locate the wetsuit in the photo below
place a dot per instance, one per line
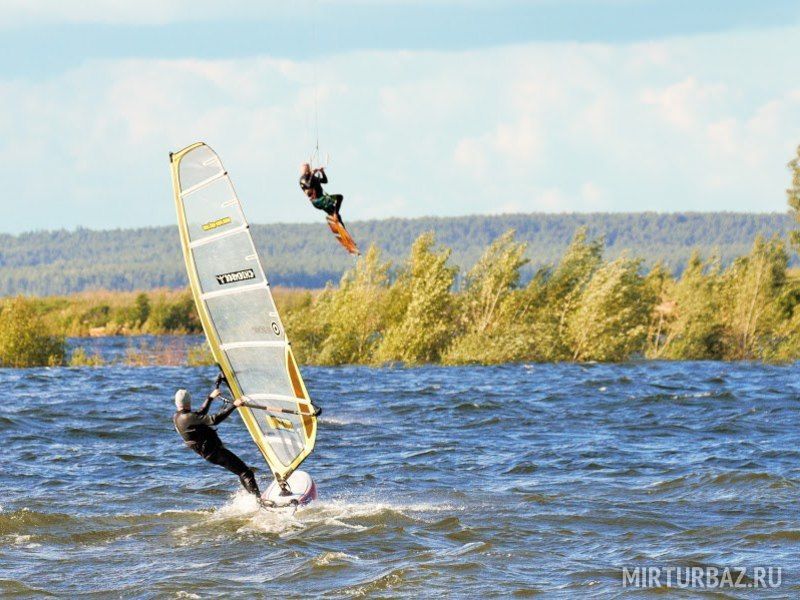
(197, 430)
(312, 186)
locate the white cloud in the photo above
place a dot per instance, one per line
(682, 104)
(556, 127)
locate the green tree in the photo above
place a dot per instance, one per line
(786, 337)
(693, 322)
(659, 282)
(174, 316)
(545, 307)
(484, 307)
(306, 326)
(131, 315)
(613, 312)
(96, 316)
(25, 340)
(752, 290)
(793, 195)
(353, 315)
(142, 308)
(422, 304)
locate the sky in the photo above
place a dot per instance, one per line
(435, 107)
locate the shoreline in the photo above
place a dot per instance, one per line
(190, 350)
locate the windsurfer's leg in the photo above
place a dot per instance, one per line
(228, 460)
(248, 481)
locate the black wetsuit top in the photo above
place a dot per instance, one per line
(312, 184)
(197, 428)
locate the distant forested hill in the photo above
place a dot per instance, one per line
(306, 255)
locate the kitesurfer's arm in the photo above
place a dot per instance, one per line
(320, 174)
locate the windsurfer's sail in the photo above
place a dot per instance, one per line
(238, 313)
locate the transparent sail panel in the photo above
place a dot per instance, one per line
(260, 375)
(198, 165)
(261, 370)
(246, 317)
(283, 434)
(213, 209)
(227, 263)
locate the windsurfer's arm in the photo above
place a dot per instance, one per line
(225, 412)
(207, 404)
(219, 417)
(323, 178)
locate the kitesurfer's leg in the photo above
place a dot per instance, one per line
(228, 460)
(337, 204)
(326, 204)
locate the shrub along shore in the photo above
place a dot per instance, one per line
(583, 308)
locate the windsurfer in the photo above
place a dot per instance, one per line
(197, 428)
(311, 181)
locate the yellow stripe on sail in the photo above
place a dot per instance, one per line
(278, 423)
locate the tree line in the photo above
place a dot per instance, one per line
(585, 307)
(305, 255)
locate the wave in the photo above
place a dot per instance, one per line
(427, 452)
(334, 559)
(23, 520)
(384, 581)
(11, 588)
(787, 535)
(725, 485)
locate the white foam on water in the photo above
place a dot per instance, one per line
(328, 557)
(366, 508)
(242, 510)
(243, 505)
(342, 422)
(240, 504)
(465, 549)
(173, 511)
(342, 511)
(22, 540)
(336, 512)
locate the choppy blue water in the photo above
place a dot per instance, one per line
(454, 482)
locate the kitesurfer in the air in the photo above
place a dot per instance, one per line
(311, 181)
(197, 428)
